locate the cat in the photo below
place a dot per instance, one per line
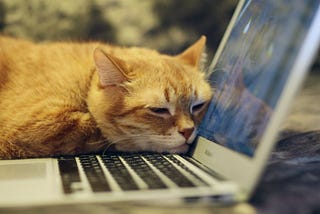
(66, 98)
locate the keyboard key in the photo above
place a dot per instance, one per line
(169, 170)
(119, 172)
(200, 181)
(94, 173)
(213, 174)
(144, 171)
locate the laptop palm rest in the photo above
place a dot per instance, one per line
(32, 178)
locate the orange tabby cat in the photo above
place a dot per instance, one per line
(71, 98)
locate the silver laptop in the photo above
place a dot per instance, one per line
(256, 71)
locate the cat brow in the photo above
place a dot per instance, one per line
(166, 94)
(196, 94)
(132, 110)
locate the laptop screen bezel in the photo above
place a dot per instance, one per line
(242, 169)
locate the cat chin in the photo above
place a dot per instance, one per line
(180, 149)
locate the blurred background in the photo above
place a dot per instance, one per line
(166, 25)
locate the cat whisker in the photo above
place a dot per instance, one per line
(109, 145)
(133, 139)
(106, 149)
(97, 142)
(156, 139)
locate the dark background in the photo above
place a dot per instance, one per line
(166, 25)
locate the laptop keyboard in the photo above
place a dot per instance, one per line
(125, 172)
(144, 171)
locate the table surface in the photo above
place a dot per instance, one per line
(290, 184)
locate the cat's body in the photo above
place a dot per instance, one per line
(69, 98)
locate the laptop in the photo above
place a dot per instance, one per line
(258, 67)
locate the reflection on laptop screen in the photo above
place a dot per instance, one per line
(253, 69)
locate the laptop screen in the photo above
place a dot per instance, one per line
(252, 70)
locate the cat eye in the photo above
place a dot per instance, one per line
(160, 111)
(197, 107)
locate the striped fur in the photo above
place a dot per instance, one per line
(71, 98)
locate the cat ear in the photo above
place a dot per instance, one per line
(195, 55)
(110, 69)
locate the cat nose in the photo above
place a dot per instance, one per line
(186, 133)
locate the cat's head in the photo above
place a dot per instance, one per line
(146, 101)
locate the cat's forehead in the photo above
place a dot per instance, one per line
(181, 91)
(167, 82)
(170, 91)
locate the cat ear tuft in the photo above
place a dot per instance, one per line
(195, 55)
(110, 69)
